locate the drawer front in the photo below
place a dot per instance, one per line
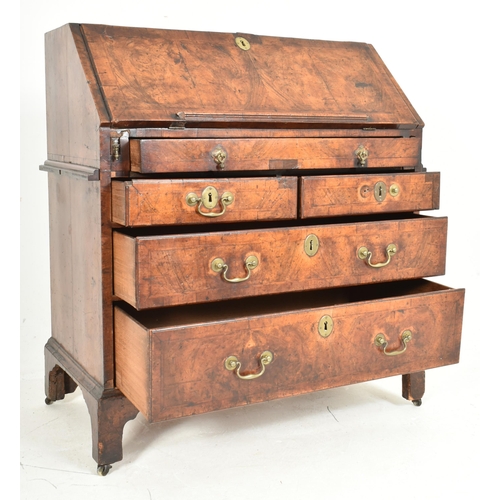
(334, 195)
(200, 201)
(157, 271)
(175, 371)
(195, 155)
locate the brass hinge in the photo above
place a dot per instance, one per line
(115, 146)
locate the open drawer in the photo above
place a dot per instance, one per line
(151, 202)
(182, 361)
(161, 270)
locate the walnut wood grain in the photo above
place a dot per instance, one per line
(154, 202)
(166, 76)
(334, 195)
(187, 155)
(156, 271)
(140, 318)
(186, 370)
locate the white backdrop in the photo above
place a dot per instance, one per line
(443, 55)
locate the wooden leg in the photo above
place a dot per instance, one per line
(109, 411)
(57, 382)
(414, 387)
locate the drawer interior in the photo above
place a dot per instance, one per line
(168, 317)
(153, 231)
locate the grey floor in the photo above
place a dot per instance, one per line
(362, 441)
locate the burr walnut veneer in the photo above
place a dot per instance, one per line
(234, 218)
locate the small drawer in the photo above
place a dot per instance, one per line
(194, 359)
(334, 195)
(163, 270)
(198, 155)
(171, 201)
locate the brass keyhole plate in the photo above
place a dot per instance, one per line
(380, 191)
(209, 197)
(242, 43)
(325, 326)
(311, 245)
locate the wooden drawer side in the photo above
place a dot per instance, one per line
(119, 202)
(124, 267)
(133, 361)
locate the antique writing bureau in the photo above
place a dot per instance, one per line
(234, 218)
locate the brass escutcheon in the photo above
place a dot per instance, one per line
(380, 191)
(311, 245)
(209, 199)
(242, 43)
(325, 326)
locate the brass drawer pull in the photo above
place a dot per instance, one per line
(219, 266)
(209, 199)
(362, 155)
(380, 341)
(232, 364)
(219, 156)
(366, 255)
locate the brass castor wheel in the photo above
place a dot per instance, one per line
(102, 470)
(417, 402)
(48, 401)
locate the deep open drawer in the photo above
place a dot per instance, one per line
(176, 362)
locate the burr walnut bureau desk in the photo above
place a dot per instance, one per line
(234, 218)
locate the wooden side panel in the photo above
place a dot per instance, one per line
(177, 269)
(192, 155)
(334, 195)
(74, 104)
(132, 361)
(154, 202)
(76, 270)
(303, 360)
